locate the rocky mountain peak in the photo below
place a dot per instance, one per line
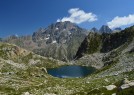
(62, 25)
(59, 39)
(57, 32)
(105, 29)
(94, 30)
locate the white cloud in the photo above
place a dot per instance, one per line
(78, 16)
(121, 21)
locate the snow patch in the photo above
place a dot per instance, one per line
(47, 38)
(54, 41)
(57, 28)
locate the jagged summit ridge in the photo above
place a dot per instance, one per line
(59, 32)
(105, 29)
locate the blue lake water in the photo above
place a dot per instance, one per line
(70, 71)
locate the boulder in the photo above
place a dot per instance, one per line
(110, 87)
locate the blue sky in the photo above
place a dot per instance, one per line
(23, 17)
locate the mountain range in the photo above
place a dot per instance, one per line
(60, 40)
(24, 61)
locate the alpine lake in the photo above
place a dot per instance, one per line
(72, 71)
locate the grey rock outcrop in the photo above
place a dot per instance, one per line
(105, 29)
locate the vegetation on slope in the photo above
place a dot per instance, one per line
(105, 42)
(23, 72)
